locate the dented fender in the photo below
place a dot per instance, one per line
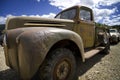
(34, 43)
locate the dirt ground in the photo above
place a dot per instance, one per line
(102, 67)
(99, 67)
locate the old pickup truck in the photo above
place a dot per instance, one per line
(50, 48)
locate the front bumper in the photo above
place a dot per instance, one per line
(113, 39)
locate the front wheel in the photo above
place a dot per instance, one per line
(59, 65)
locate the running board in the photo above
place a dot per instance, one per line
(93, 52)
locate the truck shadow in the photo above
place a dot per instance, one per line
(113, 44)
(89, 63)
(8, 74)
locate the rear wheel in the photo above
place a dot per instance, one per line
(107, 49)
(118, 39)
(106, 44)
(59, 65)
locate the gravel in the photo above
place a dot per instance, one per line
(102, 67)
(99, 67)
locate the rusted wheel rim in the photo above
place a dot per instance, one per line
(62, 70)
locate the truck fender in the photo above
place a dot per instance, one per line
(33, 46)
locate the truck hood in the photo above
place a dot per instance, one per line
(111, 34)
(17, 22)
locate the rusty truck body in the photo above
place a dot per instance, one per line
(49, 48)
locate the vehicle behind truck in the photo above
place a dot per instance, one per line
(114, 35)
(49, 49)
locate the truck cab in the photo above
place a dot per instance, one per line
(84, 25)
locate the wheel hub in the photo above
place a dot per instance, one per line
(62, 70)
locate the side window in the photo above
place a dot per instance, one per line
(85, 15)
(69, 14)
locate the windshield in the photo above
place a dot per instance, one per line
(112, 31)
(69, 14)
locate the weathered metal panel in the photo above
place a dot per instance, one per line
(87, 32)
(19, 22)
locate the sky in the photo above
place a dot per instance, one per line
(105, 11)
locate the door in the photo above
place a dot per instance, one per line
(86, 27)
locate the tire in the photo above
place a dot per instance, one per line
(107, 49)
(105, 40)
(118, 39)
(106, 44)
(59, 65)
